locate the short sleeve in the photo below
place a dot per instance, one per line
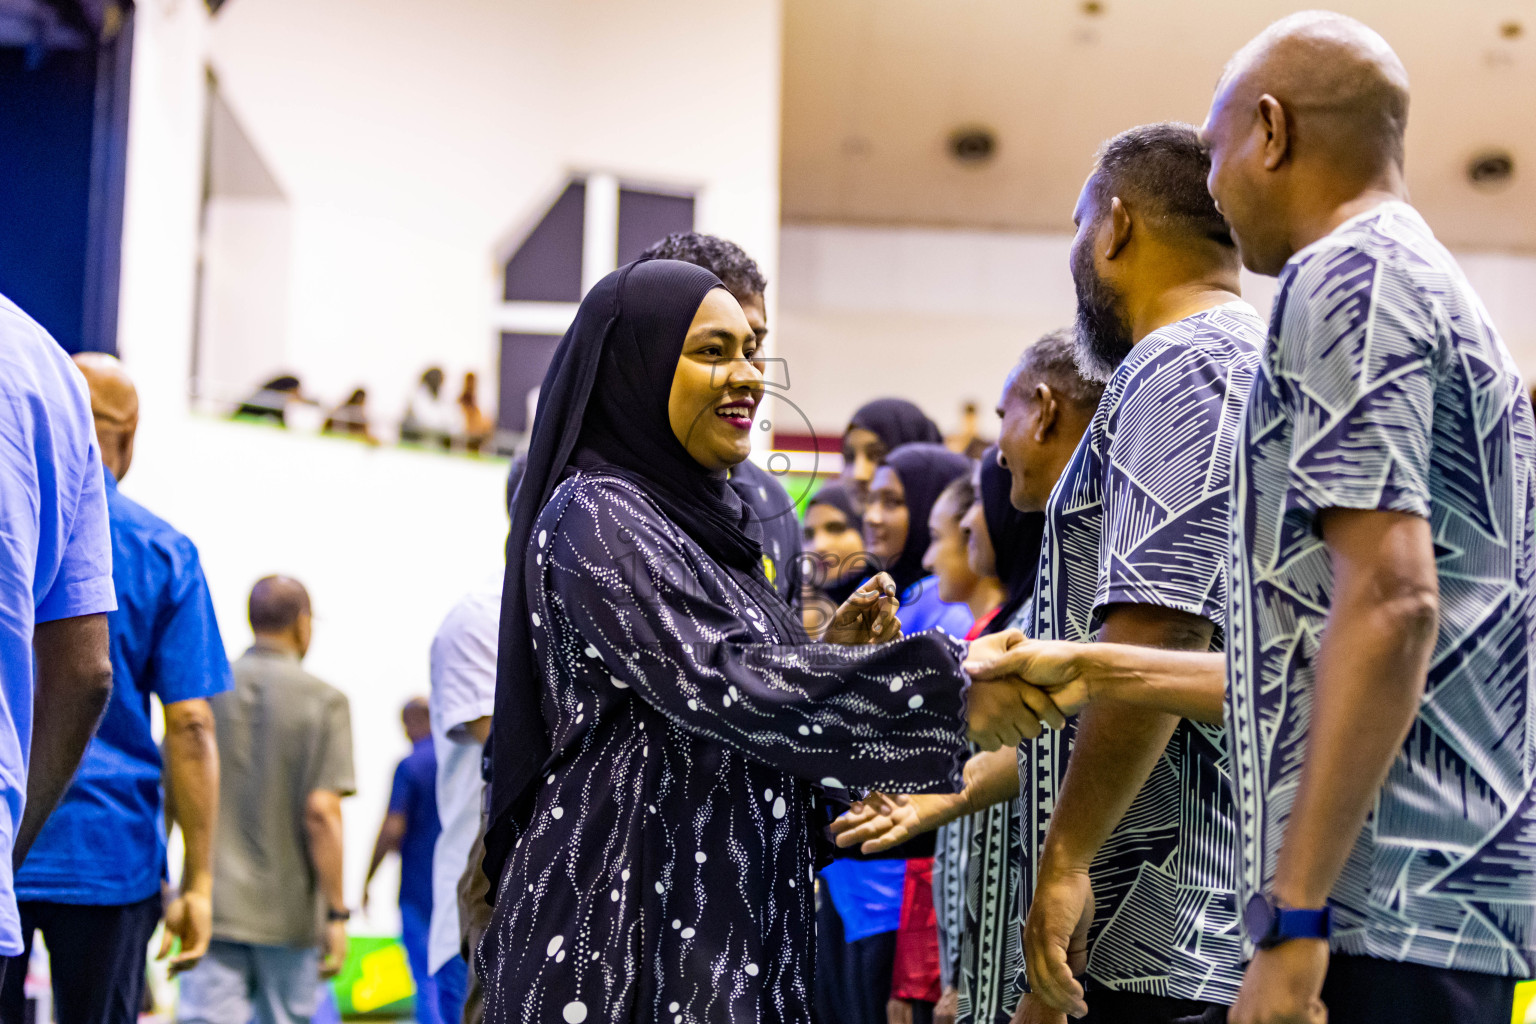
(1356, 377)
(1167, 485)
(333, 767)
(189, 659)
(400, 792)
(83, 583)
(463, 666)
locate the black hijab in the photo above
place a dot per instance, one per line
(603, 407)
(924, 471)
(1015, 537)
(896, 422)
(834, 495)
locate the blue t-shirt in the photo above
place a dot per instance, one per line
(921, 609)
(55, 552)
(105, 843)
(1140, 516)
(415, 796)
(1384, 386)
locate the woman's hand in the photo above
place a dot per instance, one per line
(868, 616)
(879, 822)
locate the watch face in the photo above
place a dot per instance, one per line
(1258, 918)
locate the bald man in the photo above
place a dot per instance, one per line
(92, 882)
(1380, 689)
(279, 913)
(411, 828)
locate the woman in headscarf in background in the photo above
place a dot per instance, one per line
(877, 429)
(858, 924)
(661, 721)
(978, 846)
(834, 538)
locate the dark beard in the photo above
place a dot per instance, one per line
(1101, 337)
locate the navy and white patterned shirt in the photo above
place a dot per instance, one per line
(1385, 386)
(1140, 516)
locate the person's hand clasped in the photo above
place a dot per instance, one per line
(1056, 939)
(1284, 985)
(869, 614)
(1054, 667)
(879, 822)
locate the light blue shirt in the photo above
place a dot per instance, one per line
(55, 548)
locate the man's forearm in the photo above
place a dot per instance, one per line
(192, 764)
(74, 682)
(1187, 684)
(323, 824)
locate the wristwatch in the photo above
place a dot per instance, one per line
(1269, 924)
(332, 914)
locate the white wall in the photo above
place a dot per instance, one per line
(385, 539)
(940, 316)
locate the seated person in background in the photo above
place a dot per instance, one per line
(834, 539)
(477, 427)
(351, 418)
(877, 429)
(428, 418)
(272, 399)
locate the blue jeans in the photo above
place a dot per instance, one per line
(415, 923)
(452, 981)
(238, 982)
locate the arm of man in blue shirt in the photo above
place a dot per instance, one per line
(192, 801)
(74, 681)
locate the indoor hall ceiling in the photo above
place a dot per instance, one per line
(873, 90)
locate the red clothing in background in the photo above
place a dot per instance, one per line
(916, 973)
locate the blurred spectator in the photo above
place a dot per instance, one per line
(477, 427)
(834, 539)
(351, 418)
(410, 828)
(285, 740)
(876, 429)
(967, 440)
(92, 880)
(428, 418)
(55, 588)
(272, 400)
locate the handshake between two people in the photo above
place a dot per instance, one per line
(1018, 688)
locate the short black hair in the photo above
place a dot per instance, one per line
(726, 260)
(1053, 360)
(1161, 168)
(276, 603)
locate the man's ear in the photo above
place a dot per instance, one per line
(1119, 228)
(1046, 412)
(1277, 131)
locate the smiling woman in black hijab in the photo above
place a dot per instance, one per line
(661, 720)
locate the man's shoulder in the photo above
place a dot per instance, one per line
(293, 677)
(148, 528)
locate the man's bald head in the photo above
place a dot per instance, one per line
(1312, 111)
(280, 612)
(115, 406)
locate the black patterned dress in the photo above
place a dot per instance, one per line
(666, 873)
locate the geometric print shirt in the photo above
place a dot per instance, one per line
(1383, 385)
(1140, 516)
